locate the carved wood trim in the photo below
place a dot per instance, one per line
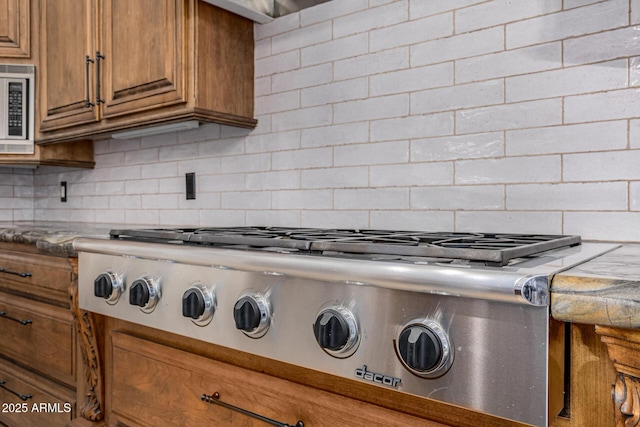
(91, 408)
(623, 346)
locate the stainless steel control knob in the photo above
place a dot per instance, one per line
(336, 331)
(109, 286)
(425, 349)
(198, 304)
(145, 293)
(252, 315)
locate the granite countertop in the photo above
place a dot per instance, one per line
(53, 238)
(604, 291)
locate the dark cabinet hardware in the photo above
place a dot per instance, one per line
(215, 399)
(4, 314)
(23, 397)
(99, 56)
(88, 61)
(17, 273)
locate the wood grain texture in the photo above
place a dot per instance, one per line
(15, 27)
(623, 346)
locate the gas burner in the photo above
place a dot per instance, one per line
(490, 248)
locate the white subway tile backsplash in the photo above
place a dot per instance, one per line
(412, 220)
(606, 166)
(330, 10)
(201, 166)
(222, 217)
(458, 47)
(635, 12)
(302, 118)
(335, 49)
(510, 63)
(456, 198)
(508, 170)
(371, 154)
(618, 104)
(159, 170)
(277, 63)
(273, 218)
(149, 155)
(302, 159)
(559, 197)
(203, 200)
(458, 147)
(302, 199)
(634, 196)
(262, 48)
(510, 116)
(300, 78)
(275, 141)
(178, 217)
(634, 134)
(371, 109)
(279, 180)
(302, 37)
(141, 186)
(277, 26)
(420, 8)
(600, 16)
(349, 133)
(568, 138)
(412, 32)
(135, 216)
(371, 198)
(510, 222)
(346, 90)
(412, 79)
(457, 97)
(568, 81)
(247, 163)
(408, 175)
(230, 146)
(372, 18)
(371, 64)
(278, 102)
(335, 177)
(606, 226)
(335, 219)
(128, 202)
(601, 46)
(160, 201)
(225, 182)
(412, 127)
(498, 12)
(246, 200)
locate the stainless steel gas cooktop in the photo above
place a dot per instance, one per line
(491, 248)
(461, 318)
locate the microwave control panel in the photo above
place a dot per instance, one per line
(16, 109)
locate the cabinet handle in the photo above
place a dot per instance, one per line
(3, 313)
(99, 56)
(87, 61)
(215, 399)
(23, 397)
(17, 273)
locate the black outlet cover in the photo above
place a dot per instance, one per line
(190, 179)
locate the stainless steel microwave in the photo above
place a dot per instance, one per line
(17, 89)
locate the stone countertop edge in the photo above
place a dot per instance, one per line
(51, 238)
(604, 291)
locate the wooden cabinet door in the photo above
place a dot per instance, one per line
(144, 45)
(14, 28)
(68, 36)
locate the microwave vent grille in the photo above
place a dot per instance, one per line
(16, 69)
(25, 147)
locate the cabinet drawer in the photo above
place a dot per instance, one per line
(42, 275)
(149, 384)
(55, 406)
(44, 341)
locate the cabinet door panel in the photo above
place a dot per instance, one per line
(68, 35)
(14, 28)
(143, 42)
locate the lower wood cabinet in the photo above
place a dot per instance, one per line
(150, 384)
(38, 363)
(40, 402)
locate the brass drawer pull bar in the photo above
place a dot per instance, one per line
(215, 399)
(23, 397)
(4, 270)
(3, 313)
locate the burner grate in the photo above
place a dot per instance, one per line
(491, 248)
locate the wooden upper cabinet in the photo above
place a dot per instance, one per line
(67, 37)
(150, 62)
(14, 29)
(145, 65)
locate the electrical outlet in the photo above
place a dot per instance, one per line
(63, 191)
(190, 179)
